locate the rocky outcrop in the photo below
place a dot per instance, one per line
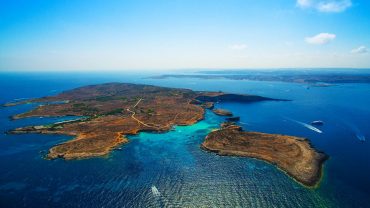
(222, 112)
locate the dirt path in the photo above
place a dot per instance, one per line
(133, 115)
(151, 126)
(137, 103)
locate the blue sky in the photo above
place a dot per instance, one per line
(182, 34)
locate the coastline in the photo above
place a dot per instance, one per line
(305, 166)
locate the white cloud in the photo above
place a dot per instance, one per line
(238, 47)
(325, 5)
(334, 6)
(304, 3)
(320, 39)
(359, 50)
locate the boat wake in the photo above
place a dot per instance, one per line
(160, 200)
(359, 135)
(155, 191)
(308, 126)
(20, 99)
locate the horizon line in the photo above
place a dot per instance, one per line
(135, 70)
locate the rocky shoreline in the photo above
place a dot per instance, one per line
(293, 155)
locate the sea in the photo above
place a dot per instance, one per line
(170, 169)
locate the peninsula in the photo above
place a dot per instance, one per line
(293, 155)
(112, 111)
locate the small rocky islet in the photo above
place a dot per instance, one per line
(114, 110)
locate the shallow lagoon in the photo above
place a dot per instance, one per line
(185, 175)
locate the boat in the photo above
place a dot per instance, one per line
(317, 123)
(155, 191)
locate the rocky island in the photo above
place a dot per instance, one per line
(293, 155)
(112, 111)
(222, 112)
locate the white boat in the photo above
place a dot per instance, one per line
(317, 123)
(155, 191)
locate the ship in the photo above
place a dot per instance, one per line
(317, 123)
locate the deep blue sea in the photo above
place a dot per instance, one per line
(170, 170)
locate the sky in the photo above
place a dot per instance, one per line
(183, 34)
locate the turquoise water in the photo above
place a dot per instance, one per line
(173, 163)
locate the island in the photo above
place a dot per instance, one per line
(293, 155)
(222, 112)
(310, 78)
(109, 112)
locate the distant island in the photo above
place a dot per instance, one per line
(315, 79)
(109, 112)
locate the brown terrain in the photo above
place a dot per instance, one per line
(293, 155)
(114, 110)
(222, 112)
